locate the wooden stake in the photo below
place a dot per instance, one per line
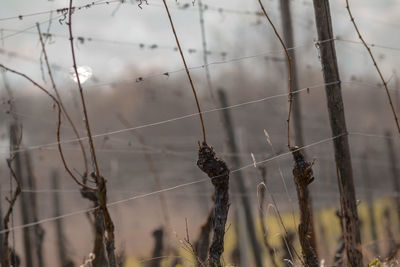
(239, 182)
(326, 45)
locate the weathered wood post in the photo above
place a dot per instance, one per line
(326, 45)
(239, 182)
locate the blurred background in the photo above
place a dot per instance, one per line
(142, 114)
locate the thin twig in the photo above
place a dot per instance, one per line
(375, 64)
(58, 123)
(60, 101)
(289, 68)
(187, 72)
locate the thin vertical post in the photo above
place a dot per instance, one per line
(239, 180)
(326, 45)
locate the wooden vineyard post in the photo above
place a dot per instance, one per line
(326, 45)
(239, 182)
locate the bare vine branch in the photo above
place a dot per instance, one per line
(187, 72)
(60, 100)
(375, 64)
(289, 68)
(89, 132)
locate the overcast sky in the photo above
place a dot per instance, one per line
(236, 34)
